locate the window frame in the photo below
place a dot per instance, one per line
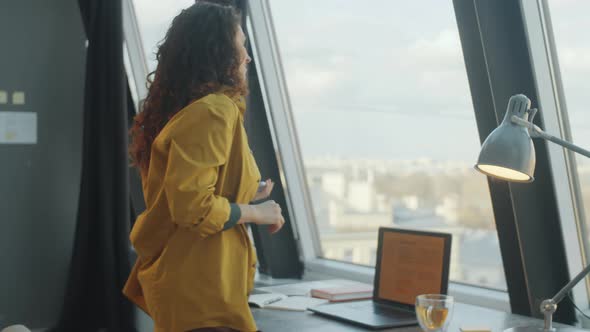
(134, 53)
(543, 50)
(278, 108)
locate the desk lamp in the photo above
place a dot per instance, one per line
(509, 154)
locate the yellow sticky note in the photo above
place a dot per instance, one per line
(475, 329)
(3, 97)
(18, 98)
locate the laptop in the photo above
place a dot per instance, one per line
(409, 263)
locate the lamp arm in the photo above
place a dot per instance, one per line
(563, 292)
(549, 306)
(535, 131)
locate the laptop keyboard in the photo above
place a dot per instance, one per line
(382, 310)
(362, 305)
(391, 313)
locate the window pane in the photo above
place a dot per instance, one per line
(154, 18)
(387, 129)
(570, 24)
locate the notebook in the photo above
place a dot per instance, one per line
(283, 302)
(344, 293)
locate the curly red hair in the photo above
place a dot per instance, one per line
(198, 56)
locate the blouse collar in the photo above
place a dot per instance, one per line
(239, 100)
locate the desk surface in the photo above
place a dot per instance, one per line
(463, 316)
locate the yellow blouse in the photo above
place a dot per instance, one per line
(190, 273)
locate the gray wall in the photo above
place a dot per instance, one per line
(42, 53)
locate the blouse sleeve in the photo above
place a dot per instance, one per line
(200, 142)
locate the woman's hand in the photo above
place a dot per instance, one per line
(276, 227)
(265, 191)
(269, 213)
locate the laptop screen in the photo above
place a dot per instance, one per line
(411, 263)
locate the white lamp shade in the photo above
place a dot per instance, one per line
(508, 152)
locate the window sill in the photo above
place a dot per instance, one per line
(323, 268)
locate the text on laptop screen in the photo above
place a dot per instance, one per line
(410, 265)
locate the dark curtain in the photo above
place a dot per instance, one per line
(100, 260)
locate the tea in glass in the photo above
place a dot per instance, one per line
(433, 311)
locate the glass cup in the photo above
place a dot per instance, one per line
(434, 311)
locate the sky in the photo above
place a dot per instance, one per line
(385, 79)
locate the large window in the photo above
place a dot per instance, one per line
(387, 131)
(570, 23)
(154, 18)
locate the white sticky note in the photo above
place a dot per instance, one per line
(3, 97)
(18, 98)
(18, 128)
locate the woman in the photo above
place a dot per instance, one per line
(195, 264)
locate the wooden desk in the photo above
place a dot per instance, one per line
(463, 316)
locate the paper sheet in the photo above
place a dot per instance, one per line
(304, 288)
(18, 128)
(296, 303)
